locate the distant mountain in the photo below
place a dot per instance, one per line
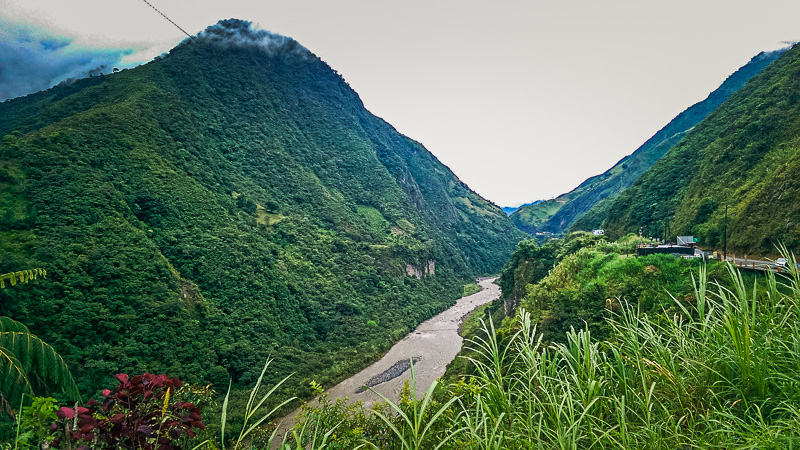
(228, 202)
(567, 210)
(510, 209)
(742, 161)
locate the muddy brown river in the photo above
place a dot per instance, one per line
(432, 346)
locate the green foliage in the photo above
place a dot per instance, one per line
(254, 415)
(471, 288)
(567, 211)
(533, 218)
(717, 372)
(586, 286)
(200, 213)
(338, 425)
(743, 157)
(36, 419)
(27, 361)
(21, 276)
(530, 262)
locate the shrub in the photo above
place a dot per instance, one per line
(137, 415)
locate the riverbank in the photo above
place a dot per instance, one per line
(432, 346)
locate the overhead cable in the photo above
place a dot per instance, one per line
(165, 16)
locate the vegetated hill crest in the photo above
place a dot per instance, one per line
(569, 210)
(510, 209)
(228, 201)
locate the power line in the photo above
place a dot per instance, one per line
(165, 16)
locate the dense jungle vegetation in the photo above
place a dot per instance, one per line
(229, 202)
(742, 160)
(683, 354)
(606, 350)
(229, 217)
(568, 211)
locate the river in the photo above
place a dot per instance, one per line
(432, 345)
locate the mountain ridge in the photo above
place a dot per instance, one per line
(226, 203)
(566, 211)
(740, 163)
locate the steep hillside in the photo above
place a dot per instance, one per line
(229, 201)
(559, 214)
(532, 218)
(744, 156)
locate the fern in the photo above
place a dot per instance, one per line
(23, 355)
(22, 276)
(13, 379)
(40, 358)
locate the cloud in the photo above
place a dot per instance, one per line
(242, 32)
(31, 60)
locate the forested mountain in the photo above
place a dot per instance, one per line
(559, 214)
(742, 158)
(229, 201)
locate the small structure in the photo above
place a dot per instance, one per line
(669, 249)
(598, 232)
(686, 240)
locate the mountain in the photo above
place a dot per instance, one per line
(510, 209)
(559, 214)
(230, 201)
(742, 162)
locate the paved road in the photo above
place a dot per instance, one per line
(433, 345)
(757, 264)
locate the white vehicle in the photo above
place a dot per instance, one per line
(780, 262)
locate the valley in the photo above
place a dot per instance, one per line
(168, 228)
(432, 346)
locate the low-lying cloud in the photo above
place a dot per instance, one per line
(243, 32)
(32, 60)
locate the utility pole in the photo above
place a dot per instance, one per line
(725, 236)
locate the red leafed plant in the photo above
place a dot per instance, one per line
(138, 415)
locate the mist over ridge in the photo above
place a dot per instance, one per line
(243, 32)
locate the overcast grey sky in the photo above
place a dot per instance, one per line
(523, 100)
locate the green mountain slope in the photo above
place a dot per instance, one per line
(510, 209)
(559, 214)
(229, 201)
(743, 156)
(533, 218)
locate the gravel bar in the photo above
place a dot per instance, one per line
(391, 373)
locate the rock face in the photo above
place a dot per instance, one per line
(428, 269)
(229, 201)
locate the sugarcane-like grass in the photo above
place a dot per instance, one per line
(722, 372)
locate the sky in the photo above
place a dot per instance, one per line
(523, 100)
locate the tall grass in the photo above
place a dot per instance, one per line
(722, 372)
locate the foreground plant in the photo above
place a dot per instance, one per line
(254, 416)
(416, 421)
(23, 356)
(33, 424)
(138, 415)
